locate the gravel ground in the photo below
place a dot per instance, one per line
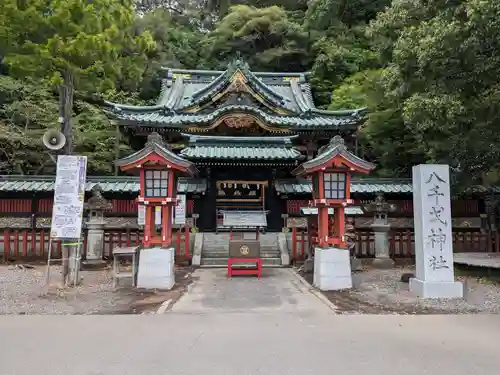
(381, 291)
(23, 291)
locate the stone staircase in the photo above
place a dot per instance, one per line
(215, 250)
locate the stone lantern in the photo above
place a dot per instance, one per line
(96, 206)
(331, 172)
(380, 226)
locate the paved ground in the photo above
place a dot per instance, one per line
(249, 326)
(249, 343)
(278, 291)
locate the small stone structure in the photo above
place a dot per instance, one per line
(381, 227)
(96, 206)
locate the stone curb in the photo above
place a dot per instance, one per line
(164, 306)
(315, 292)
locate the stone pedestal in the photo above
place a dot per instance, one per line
(95, 242)
(436, 289)
(332, 269)
(356, 264)
(156, 268)
(382, 257)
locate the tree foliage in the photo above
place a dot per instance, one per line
(426, 69)
(265, 37)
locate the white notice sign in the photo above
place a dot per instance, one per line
(433, 235)
(141, 214)
(158, 215)
(69, 194)
(180, 210)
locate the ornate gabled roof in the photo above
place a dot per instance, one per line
(154, 148)
(192, 98)
(334, 152)
(185, 121)
(240, 148)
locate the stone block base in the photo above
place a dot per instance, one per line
(94, 264)
(309, 265)
(383, 263)
(356, 264)
(156, 268)
(332, 269)
(435, 289)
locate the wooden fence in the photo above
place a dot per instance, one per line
(402, 243)
(34, 244)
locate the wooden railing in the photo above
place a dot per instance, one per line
(34, 244)
(402, 243)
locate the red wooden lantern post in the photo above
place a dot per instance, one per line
(158, 168)
(331, 173)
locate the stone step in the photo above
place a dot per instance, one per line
(226, 251)
(222, 262)
(224, 255)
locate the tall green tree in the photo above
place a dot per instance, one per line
(265, 37)
(440, 88)
(74, 44)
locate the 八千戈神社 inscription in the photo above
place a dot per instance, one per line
(436, 237)
(433, 237)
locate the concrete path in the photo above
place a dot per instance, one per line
(249, 344)
(279, 291)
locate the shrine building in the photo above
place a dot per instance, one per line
(245, 131)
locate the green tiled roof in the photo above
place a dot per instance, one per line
(182, 89)
(239, 148)
(307, 120)
(365, 185)
(108, 184)
(156, 145)
(239, 153)
(334, 148)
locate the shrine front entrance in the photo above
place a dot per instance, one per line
(238, 189)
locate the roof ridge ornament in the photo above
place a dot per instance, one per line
(156, 139)
(336, 141)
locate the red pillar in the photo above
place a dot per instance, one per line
(340, 224)
(168, 225)
(323, 226)
(164, 229)
(149, 216)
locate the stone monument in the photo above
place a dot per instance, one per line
(381, 227)
(96, 206)
(433, 236)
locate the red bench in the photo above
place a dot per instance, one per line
(244, 271)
